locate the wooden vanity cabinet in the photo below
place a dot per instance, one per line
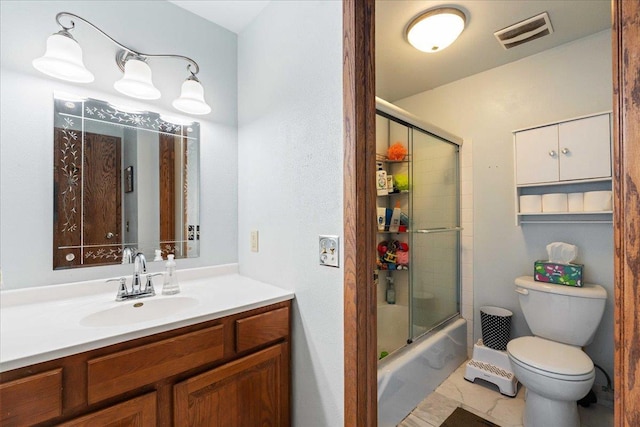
(232, 371)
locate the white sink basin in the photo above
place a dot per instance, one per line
(141, 310)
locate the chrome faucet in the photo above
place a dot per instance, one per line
(137, 291)
(127, 256)
(139, 266)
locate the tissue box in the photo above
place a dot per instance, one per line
(560, 274)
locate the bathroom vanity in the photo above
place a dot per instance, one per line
(223, 362)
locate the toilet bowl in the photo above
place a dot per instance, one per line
(556, 375)
(551, 364)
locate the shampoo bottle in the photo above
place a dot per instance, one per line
(382, 212)
(381, 181)
(391, 292)
(170, 285)
(394, 226)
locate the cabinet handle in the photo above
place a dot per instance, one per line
(565, 151)
(552, 153)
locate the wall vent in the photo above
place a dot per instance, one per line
(524, 31)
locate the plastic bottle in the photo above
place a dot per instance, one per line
(391, 292)
(170, 285)
(390, 183)
(394, 226)
(382, 212)
(381, 181)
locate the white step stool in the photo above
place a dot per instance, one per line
(492, 366)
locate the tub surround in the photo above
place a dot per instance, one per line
(413, 372)
(44, 323)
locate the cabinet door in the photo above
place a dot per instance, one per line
(252, 391)
(585, 148)
(537, 155)
(138, 412)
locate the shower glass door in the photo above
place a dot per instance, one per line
(435, 233)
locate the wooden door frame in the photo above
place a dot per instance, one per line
(360, 363)
(626, 218)
(360, 374)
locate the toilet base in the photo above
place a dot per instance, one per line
(542, 412)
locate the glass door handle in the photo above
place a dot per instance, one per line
(437, 230)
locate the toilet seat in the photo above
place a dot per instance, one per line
(551, 359)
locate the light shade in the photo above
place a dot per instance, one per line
(63, 59)
(435, 29)
(136, 81)
(191, 98)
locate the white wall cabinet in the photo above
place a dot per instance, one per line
(565, 157)
(573, 150)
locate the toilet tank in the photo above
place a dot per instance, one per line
(561, 313)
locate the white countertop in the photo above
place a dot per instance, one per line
(45, 323)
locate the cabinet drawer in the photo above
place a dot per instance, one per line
(126, 370)
(32, 399)
(140, 411)
(261, 329)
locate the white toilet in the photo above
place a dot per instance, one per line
(551, 364)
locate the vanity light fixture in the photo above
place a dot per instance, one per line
(63, 60)
(435, 29)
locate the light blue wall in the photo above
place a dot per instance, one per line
(571, 80)
(278, 170)
(290, 185)
(26, 134)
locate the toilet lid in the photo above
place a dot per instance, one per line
(550, 356)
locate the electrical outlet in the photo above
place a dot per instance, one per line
(329, 251)
(254, 240)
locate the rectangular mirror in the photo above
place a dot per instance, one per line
(122, 179)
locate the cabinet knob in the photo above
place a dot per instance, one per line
(565, 151)
(552, 153)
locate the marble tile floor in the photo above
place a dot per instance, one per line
(485, 400)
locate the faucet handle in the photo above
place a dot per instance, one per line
(148, 287)
(122, 288)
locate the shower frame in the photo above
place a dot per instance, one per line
(413, 123)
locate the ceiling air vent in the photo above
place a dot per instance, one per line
(525, 31)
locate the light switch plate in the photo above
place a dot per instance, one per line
(329, 251)
(254, 241)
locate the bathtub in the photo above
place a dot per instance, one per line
(408, 375)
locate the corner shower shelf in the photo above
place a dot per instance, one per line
(397, 193)
(383, 158)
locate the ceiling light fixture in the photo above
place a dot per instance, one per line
(435, 29)
(63, 60)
